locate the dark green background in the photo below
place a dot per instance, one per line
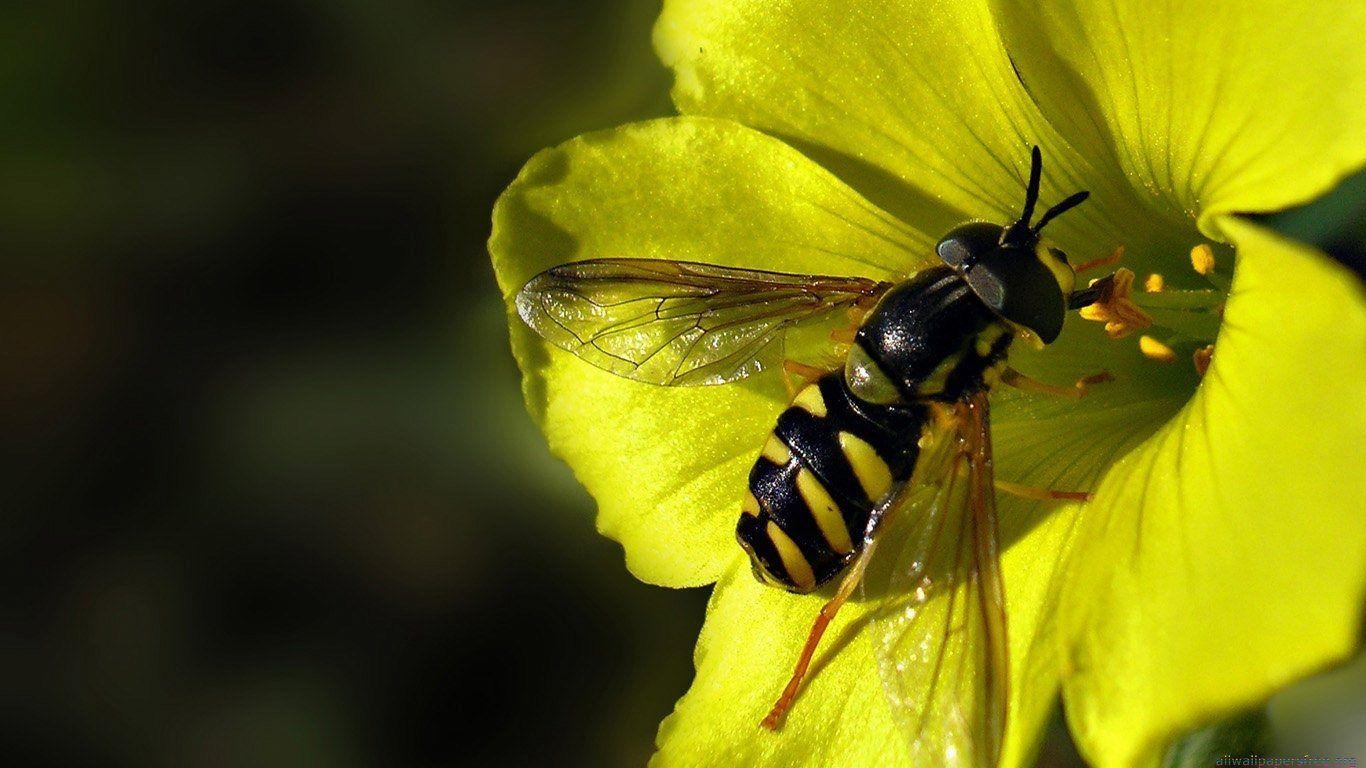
(270, 494)
(270, 497)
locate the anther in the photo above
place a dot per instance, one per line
(1202, 358)
(1119, 313)
(1155, 350)
(1202, 259)
(1154, 283)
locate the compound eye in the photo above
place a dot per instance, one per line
(1059, 255)
(966, 243)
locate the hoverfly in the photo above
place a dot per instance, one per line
(899, 431)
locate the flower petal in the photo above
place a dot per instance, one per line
(753, 633)
(744, 656)
(1044, 441)
(1209, 107)
(1226, 557)
(668, 465)
(750, 642)
(914, 104)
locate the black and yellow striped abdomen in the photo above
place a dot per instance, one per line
(828, 462)
(841, 447)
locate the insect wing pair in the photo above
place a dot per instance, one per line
(940, 628)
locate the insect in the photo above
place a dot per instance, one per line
(897, 437)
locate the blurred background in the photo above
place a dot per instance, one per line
(270, 497)
(270, 493)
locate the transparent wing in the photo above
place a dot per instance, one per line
(680, 323)
(941, 641)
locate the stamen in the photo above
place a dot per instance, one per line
(1202, 358)
(1119, 313)
(1202, 259)
(1192, 315)
(1155, 350)
(1104, 261)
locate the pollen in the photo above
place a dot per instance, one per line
(1202, 358)
(1202, 259)
(1154, 283)
(1155, 350)
(1116, 310)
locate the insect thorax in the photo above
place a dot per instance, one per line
(929, 337)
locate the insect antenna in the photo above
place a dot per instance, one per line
(1032, 192)
(1066, 205)
(1020, 232)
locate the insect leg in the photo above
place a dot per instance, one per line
(1083, 384)
(797, 375)
(844, 336)
(847, 586)
(1014, 378)
(1043, 494)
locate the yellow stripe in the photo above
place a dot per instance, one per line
(825, 511)
(793, 560)
(872, 472)
(987, 338)
(776, 451)
(750, 505)
(810, 400)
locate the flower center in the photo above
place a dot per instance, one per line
(1174, 319)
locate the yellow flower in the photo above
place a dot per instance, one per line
(1223, 555)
